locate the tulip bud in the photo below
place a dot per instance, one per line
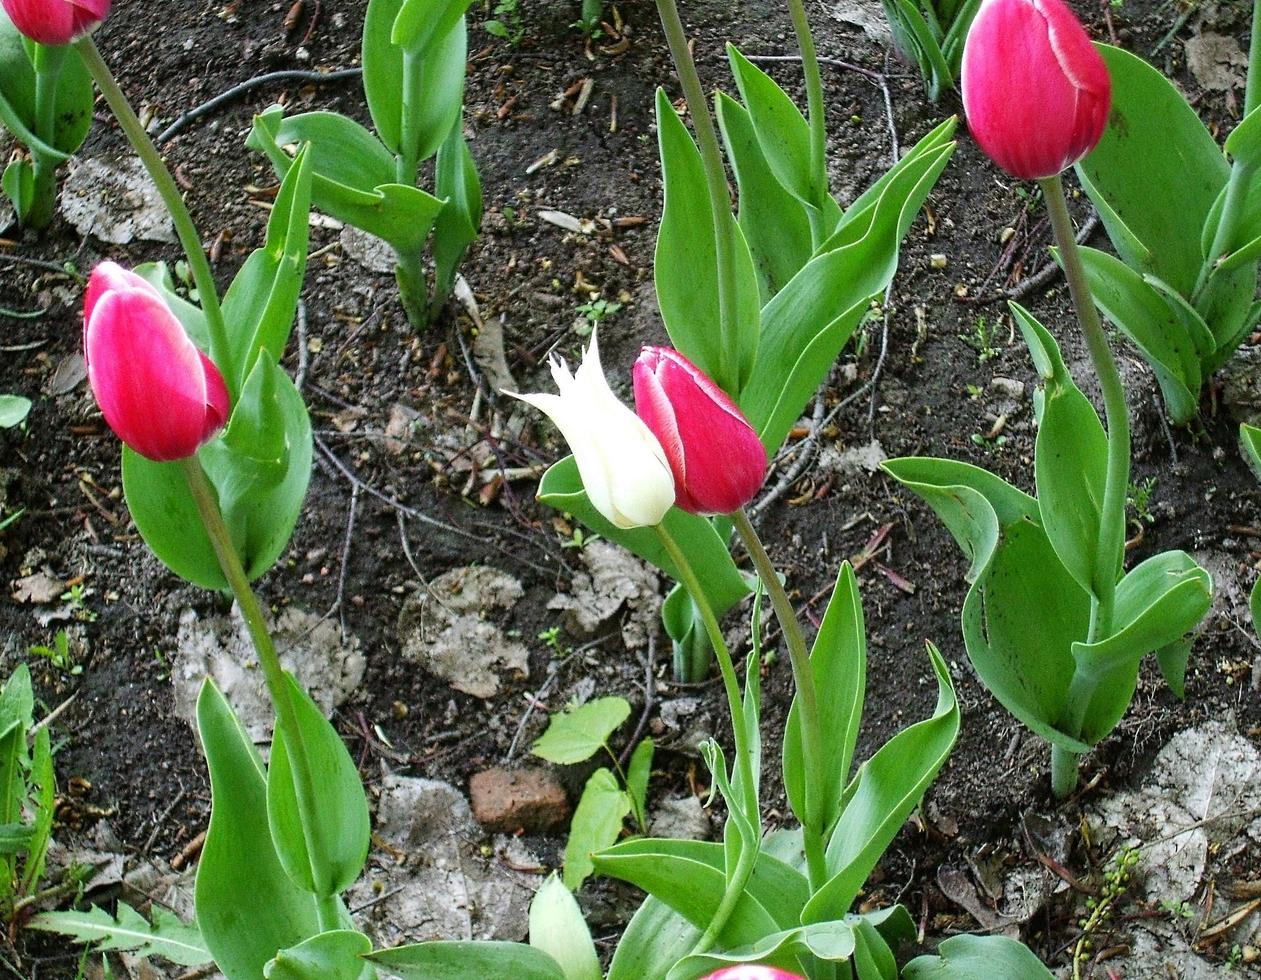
(623, 469)
(717, 459)
(56, 21)
(161, 395)
(752, 971)
(1035, 90)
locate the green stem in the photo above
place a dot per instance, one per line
(719, 195)
(206, 499)
(807, 698)
(413, 290)
(1110, 558)
(1063, 771)
(220, 350)
(1253, 90)
(743, 749)
(814, 104)
(407, 163)
(49, 60)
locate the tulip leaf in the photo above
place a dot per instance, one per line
(1250, 440)
(558, 929)
(656, 938)
(461, 959)
(239, 873)
(832, 942)
(335, 955)
(1155, 174)
(978, 958)
(686, 262)
(596, 824)
(887, 787)
(18, 183)
(934, 140)
(838, 663)
(873, 959)
(456, 182)
(576, 734)
(775, 224)
(420, 22)
(916, 34)
(321, 827)
(17, 92)
(561, 488)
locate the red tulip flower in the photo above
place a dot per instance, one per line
(161, 395)
(752, 971)
(56, 21)
(1035, 90)
(717, 460)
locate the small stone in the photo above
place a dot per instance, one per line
(509, 800)
(1013, 389)
(683, 818)
(937, 260)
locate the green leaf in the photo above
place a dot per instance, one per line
(597, 823)
(18, 183)
(638, 771)
(17, 700)
(656, 938)
(1250, 440)
(561, 488)
(319, 824)
(686, 261)
(887, 787)
(925, 45)
(456, 181)
(239, 872)
(43, 801)
(420, 22)
(75, 99)
(165, 936)
(558, 929)
(978, 958)
(261, 302)
(838, 663)
(15, 838)
(576, 734)
(336, 955)
(873, 960)
(1254, 606)
(775, 224)
(459, 960)
(831, 942)
(1155, 173)
(781, 130)
(13, 410)
(1070, 466)
(17, 95)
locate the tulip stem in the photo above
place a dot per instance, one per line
(206, 499)
(719, 195)
(816, 114)
(1110, 559)
(1252, 91)
(739, 878)
(49, 60)
(168, 190)
(807, 698)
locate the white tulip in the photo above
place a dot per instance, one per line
(622, 465)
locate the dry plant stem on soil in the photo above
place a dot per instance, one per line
(1112, 518)
(207, 294)
(744, 762)
(277, 685)
(803, 679)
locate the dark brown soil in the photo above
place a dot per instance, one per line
(141, 763)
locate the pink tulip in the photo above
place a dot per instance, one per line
(717, 460)
(161, 395)
(752, 972)
(56, 21)
(1035, 90)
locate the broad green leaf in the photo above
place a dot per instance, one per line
(18, 183)
(638, 771)
(17, 700)
(1172, 660)
(873, 959)
(1070, 467)
(1157, 603)
(459, 960)
(1228, 308)
(831, 942)
(934, 140)
(775, 224)
(656, 938)
(978, 958)
(1155, 173)
(341, 151)
(561, 488)
(165, 936)
(335, 955)
(17, 98)
(559, 930)
(576, 734)
(1146, 316)
(13, 410)
(75, 98)
(887, 787)
(319, 820)
(686, 261)
(596, 823)
(43, 801)
(260, 305)
(15, 838)
(455, 181)
(1250, 440)
(420, 22)
(838, 663)
(239, 872)
(781, 130)
(168, 520)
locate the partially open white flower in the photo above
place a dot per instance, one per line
(622, 465)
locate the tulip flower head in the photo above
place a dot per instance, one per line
(622, 466)
(161, 395)
(752, 971)
(718, 461)
(56, 21)
(1035, 90)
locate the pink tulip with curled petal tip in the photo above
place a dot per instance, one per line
(752, 972)
(718, 461)
(56, 21)
(161, 395)
(1035, 91)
